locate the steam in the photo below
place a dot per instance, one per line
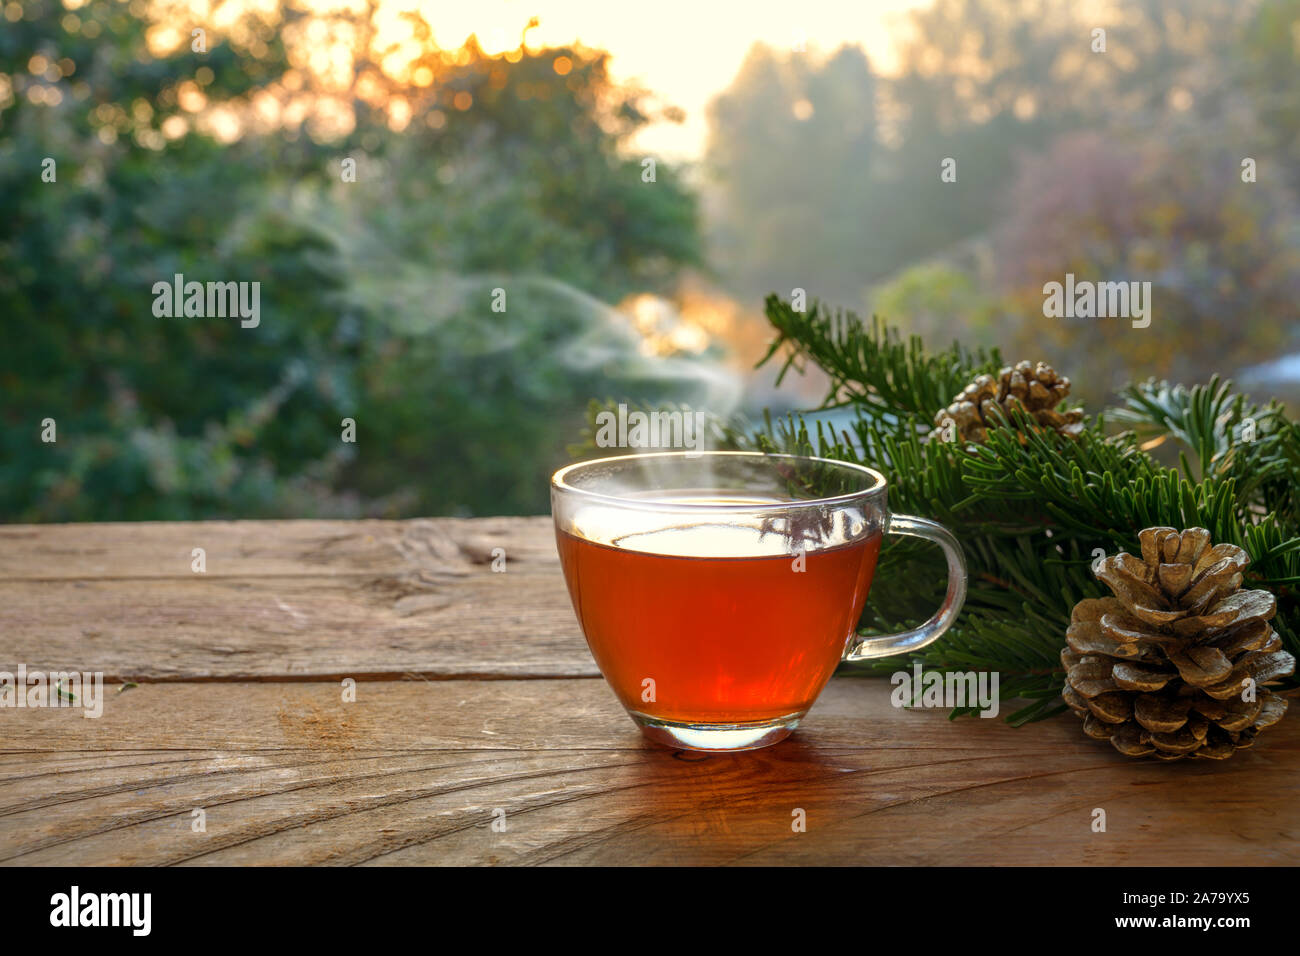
(550, 321)
(555, 331)
(608, 339)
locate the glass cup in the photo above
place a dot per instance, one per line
(718, 591)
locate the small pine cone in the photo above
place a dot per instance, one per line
(987, 403)
(1162, 667)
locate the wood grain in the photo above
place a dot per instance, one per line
(238, 712)
(257, 549)
(411, 773)
(289, 600)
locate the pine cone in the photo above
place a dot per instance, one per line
(1161, 667)
(987, 402)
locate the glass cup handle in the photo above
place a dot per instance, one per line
(918, 637)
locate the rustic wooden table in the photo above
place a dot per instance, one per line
(475, 693)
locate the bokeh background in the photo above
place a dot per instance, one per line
(504, 145)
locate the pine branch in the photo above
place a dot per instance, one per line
(1229, 437)
(872, 367)
(1033, 509)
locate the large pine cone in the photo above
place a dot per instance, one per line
(1161, 667)
(987, 402)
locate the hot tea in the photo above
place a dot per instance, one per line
(722, 623)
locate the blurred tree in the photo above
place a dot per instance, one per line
(155, 418)
(790, 150)
(510, 163)
(942, 304)
(1222, 256)
(841, 206)
(508, 177)
(1268, 70)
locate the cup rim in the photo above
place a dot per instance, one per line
(558, 483)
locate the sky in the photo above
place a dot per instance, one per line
(686, 51)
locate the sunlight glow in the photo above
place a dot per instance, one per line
(684, 51)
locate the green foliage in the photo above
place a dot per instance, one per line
(874, 369)
(934, 298)
(1034, 513)
(376, 295)
(1229, 438)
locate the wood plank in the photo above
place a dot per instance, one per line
(289, 600)
(411, 774)
(259, 549)
(487, 625)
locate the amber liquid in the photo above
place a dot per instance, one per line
(725, 639)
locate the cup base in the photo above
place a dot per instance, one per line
(716, 738)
